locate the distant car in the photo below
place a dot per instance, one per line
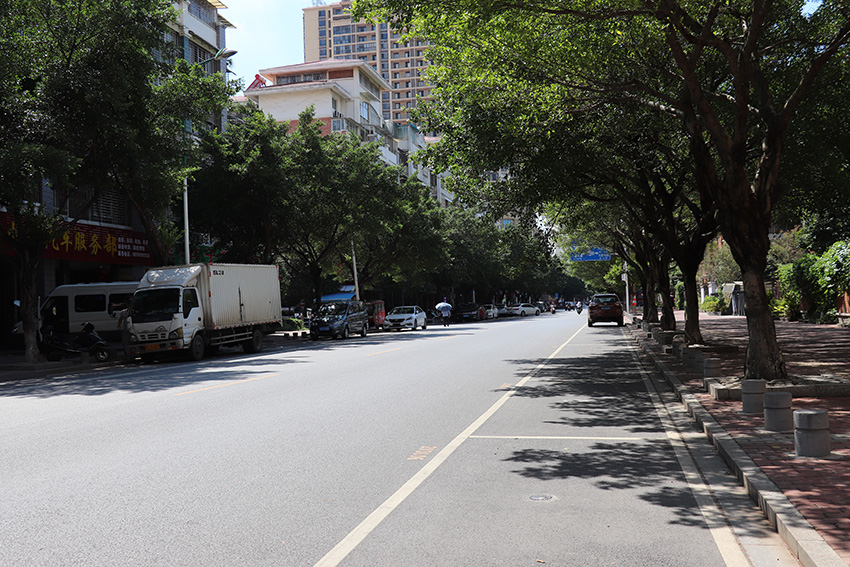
(490, 311)
(605, 307)
(523, 309)
(542, 306)
(406, 317)
(501, 310)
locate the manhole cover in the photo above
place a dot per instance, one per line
(541, 497)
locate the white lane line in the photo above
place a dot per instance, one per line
(358, 534)
(564, 438)
(719, 528)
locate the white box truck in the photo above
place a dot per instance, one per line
(200, 307)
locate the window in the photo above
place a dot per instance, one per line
(203, 10)
(190, 301)
(321, 13)
(119, 302)
(90, 303)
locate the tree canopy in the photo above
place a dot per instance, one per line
(729, 78)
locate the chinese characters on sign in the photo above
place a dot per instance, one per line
(92, 243)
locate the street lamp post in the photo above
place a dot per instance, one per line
(222, 53)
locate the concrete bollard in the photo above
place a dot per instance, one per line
(777, 411)
(711, 368)
(679, 350)
(811, 433)
(752, 396)
(697, 360)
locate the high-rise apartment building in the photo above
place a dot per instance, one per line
(331, 33)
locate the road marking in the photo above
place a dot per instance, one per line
(422, 453)
(382, 352)
(714, 516)
(358, 534)
(566, 438)
(225, 384)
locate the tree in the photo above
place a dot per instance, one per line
(732, 75)
(78, 109)
(240, 193)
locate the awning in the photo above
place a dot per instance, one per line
(340, 296)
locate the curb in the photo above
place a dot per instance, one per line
(801, 538)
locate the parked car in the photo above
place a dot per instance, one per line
(406, 317)
(468, 312)
(523, 309)
(501, 310)
(542, 306)
(490, 311)
(605, 307)
(339, 319)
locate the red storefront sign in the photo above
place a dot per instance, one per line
(92, 243)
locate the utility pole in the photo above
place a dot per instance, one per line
(354, 262)
(625, 277)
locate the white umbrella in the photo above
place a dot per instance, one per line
(442, 305)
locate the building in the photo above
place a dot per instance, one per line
(330, 33)
(108, 243)
(346, 96)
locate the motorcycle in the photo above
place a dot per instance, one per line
(56, 346)
(578, 308)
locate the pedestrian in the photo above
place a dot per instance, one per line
(445, 310)
(124, 328)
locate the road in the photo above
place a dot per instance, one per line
(525, 441)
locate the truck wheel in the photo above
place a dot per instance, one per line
(255, 343)
(364, 330)
(345, 332)
(196, 349)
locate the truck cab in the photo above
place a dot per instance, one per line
(164, 318)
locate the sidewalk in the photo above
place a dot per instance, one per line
(808, 499)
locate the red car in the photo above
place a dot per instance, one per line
(605, 307)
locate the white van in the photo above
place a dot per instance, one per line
(69, 306)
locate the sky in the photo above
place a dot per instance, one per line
(268, 33)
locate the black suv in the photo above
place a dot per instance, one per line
(339, 319)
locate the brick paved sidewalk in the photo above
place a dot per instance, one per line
(819, 488)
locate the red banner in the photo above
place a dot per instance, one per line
(92, 243)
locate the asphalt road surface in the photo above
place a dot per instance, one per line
(518, 442)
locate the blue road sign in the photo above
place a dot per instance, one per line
(591, 255)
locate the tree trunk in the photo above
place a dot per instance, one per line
(28, 264)
(650, 308)
(693, 335)
(668, 318)
(764, 359)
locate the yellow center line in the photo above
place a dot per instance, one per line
(382, 352)
(223, 385)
